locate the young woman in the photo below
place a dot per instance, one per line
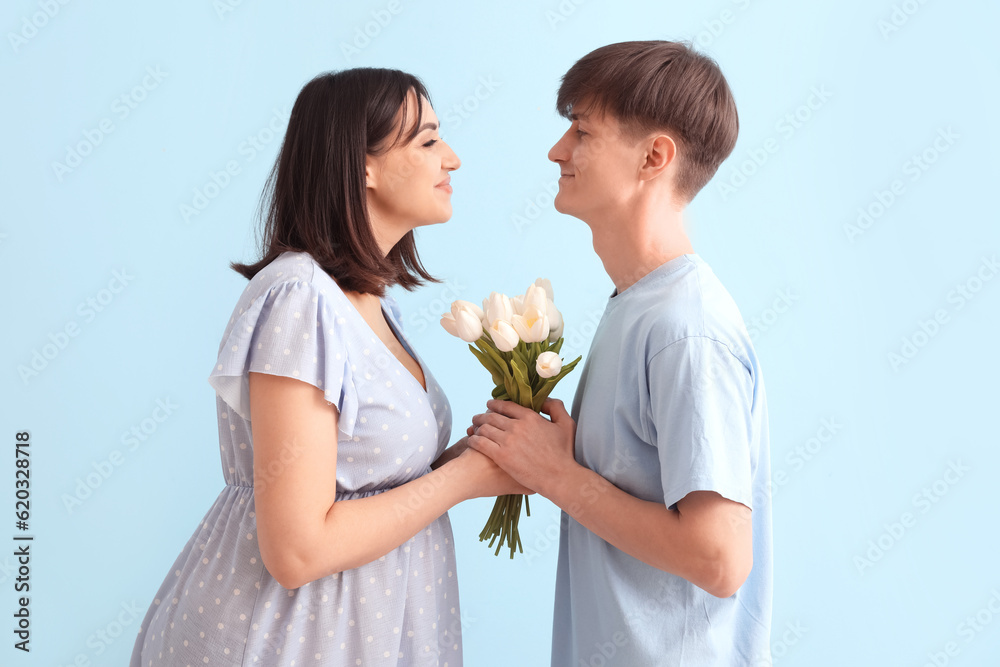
(330, 543)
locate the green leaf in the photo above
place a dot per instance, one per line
(494, 354)
(489, 364)
(571, 365)
(510, 386)
(550, 384)
(520, 355)
(529, 366)
(524, 389)
(542, 394)
(567, 368)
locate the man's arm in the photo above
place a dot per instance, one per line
(706, 540)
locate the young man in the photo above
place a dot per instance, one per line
(661, 469)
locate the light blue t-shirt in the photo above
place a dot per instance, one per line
(670, 400)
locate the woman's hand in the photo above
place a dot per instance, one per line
(452, 452)
(486, 479)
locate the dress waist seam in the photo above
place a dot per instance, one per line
(339, 495)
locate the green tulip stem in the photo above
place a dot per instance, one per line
(516, 379)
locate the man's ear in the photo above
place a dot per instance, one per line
(661, 151)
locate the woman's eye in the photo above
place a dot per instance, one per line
(430, 143)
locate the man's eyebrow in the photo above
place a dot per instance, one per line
(578, 116)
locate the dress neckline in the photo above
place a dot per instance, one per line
(398, 333)
(400, 336)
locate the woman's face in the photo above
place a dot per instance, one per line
(408, 186)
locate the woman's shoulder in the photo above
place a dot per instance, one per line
(293, 267)
(300, 266)
(288, 267)
(292, 274)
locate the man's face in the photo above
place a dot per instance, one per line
(598, 167)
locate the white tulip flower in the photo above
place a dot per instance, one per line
(517, 302)
(545, 284)
(449, 324)
(504, 336)
(464, 321)
(535, 296)
(470, 329)
(469, 306)
(555, 320)
(533, 326)
(498, 307)
(465, 326)
(548, 364)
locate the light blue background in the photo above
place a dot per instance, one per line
(782, 232)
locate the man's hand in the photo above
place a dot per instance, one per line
(533, 450)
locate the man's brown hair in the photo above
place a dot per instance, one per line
(660, 86)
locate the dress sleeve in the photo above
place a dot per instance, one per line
(700, 396)
(290, 330)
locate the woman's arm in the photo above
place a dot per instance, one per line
(303, 534)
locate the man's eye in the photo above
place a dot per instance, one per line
(581, 132)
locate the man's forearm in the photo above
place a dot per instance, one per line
(645, 530)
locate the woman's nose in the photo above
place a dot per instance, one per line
(452, 162)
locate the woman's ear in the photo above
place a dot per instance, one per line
(372, 170)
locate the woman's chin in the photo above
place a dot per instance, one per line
(444, 216)
(436, 220)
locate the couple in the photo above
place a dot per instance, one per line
(330, 543)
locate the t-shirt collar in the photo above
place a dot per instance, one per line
(657, 274)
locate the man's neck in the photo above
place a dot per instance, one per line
(631, 248)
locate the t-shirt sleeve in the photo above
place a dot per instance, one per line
(700, 397)
(291, 330)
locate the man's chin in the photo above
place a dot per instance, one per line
(560, 204)
(564, 205)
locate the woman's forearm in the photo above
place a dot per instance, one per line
(360, 530)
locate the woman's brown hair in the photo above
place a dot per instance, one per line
(315, 195)
(660, 86)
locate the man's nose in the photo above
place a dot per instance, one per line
(558, 151)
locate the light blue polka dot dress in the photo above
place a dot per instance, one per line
(218, 604)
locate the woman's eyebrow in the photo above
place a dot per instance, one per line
(427, 126)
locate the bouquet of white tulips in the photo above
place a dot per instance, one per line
(517, 340)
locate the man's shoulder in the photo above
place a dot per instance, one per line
(696, 307)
